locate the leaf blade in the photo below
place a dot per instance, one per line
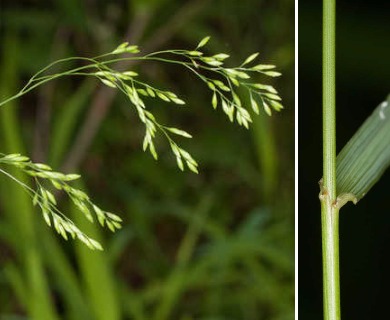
(366, 156)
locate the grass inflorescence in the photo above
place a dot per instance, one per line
(45, 181)
(222, 81)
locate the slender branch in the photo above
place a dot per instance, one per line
(104, 96)
(330, 212)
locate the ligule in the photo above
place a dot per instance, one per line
(366, 156)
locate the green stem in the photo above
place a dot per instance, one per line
(329, 106)
(330, 213)
(330, 259)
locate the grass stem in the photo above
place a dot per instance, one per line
(329, 98)
(330, 259)
(329, 212)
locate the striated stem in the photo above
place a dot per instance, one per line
(330, 256)
(329, 208)
(329, 98)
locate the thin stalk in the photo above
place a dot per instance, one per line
(330, 258)
(329, 211)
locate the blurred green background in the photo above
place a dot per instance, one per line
(362, 80)
(218, 245)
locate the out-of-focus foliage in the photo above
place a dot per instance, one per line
(218, 245)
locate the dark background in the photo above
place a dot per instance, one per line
(363, 69)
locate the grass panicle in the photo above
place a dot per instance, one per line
(46, 183)
(222, 81)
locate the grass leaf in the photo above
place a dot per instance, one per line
(364, 159)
